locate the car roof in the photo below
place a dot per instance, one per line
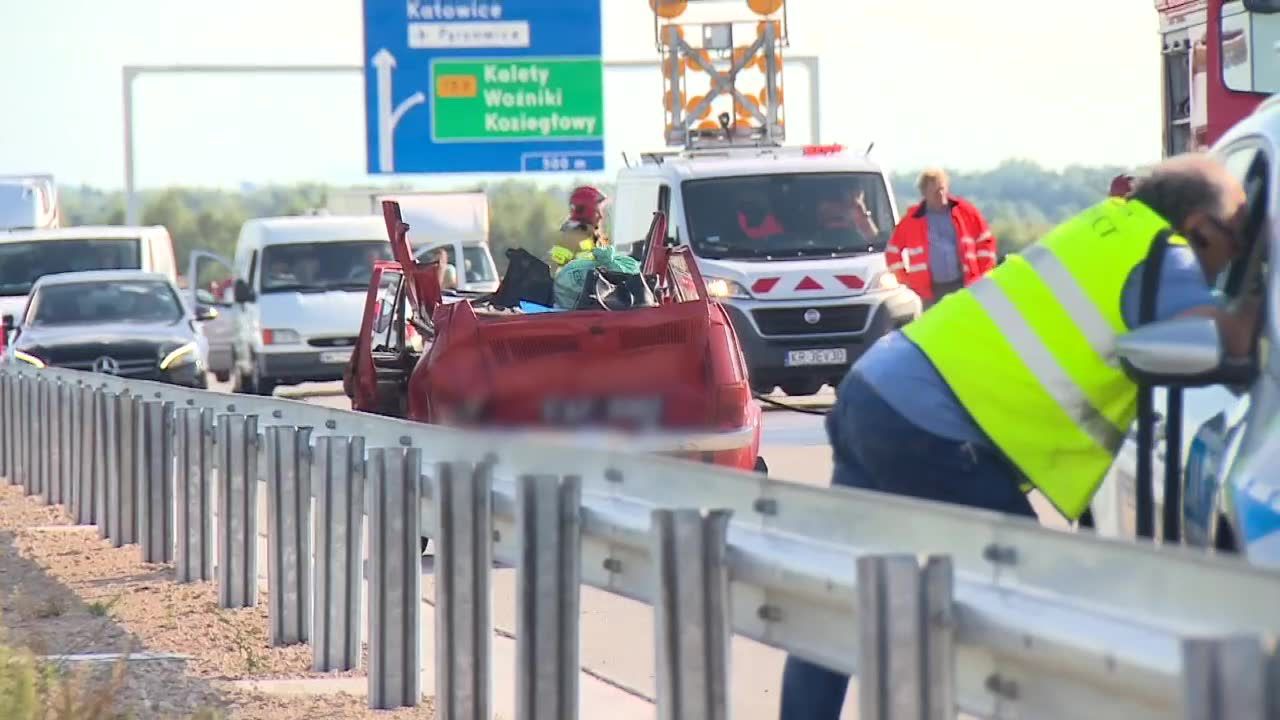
(100, 276)
(318, 228)
(81, 232)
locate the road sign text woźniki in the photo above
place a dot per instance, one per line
(507, 99)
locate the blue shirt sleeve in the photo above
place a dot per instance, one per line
(1182, 287)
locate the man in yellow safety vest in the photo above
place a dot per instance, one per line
(1013, 381)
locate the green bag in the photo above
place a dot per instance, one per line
(573, 276)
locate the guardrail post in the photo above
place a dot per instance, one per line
(111, 475)
(464, 612)
(906, 665)
(67, 440)
(1224, 679)
(100, 443)
(75, 438)
(395, 579)
(339, 479)
(155, 481)
(30, 424)
(289, 534)
(237, 511)
(691, 613)
(193, 559)
(39, 478)
(6, 425)
(124, 514)
(547, 597)
(83, 500)
(53, 478)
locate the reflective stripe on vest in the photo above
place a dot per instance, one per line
(1030, 349)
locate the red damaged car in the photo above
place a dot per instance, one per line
(666, 378)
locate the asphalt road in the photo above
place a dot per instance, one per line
(617, 634)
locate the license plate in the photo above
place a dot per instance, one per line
(335, 356)
(833, 356)
(631, 412)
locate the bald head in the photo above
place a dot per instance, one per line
(1188, 184)
(1202, 201)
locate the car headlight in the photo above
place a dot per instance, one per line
(886, 281)
(184, 355)
(28, 358)
(280, 337)
(722, 288)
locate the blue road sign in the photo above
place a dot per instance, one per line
(455, 86)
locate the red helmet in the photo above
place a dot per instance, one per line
(1121, 185)
(586, 208)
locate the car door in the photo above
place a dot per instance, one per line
(375, 376)
(210, 282)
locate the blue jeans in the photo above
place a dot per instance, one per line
(875, 448)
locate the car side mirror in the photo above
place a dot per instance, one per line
(204, 313)
(242, 292)
(1182, 352)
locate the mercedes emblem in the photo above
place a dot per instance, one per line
(106, 366)
(812, 316)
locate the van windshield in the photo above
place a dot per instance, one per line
(320, 266)
(796, 215)
(22, 263)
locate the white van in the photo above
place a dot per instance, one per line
(26, 255)
(299, 287)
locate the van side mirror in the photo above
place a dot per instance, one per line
(242, 292)
(1182, 352)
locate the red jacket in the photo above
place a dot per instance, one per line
(908, 250)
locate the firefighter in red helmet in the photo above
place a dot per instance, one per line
(582, 231)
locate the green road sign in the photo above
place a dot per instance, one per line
(517, 99)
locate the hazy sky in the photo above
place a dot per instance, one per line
(965, 84)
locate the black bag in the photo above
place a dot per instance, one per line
(527, 278)
(609, 290)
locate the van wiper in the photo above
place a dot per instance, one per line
(298, 287)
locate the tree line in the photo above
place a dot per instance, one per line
(1020, 199)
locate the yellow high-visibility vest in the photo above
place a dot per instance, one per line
(1030, 349)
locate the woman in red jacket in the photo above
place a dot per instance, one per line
(942, 243)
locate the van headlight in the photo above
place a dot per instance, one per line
(885, 281)
(722, 288)
(183, 355)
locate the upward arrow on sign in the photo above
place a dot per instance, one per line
(388, 117)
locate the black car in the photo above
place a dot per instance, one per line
(119, 322)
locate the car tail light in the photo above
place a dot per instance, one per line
(731, 406)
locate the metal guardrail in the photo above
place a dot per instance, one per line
(941, 607)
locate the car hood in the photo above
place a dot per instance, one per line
(112, 334)
(330, 313)
(799, 279)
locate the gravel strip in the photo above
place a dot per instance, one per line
(66, 592)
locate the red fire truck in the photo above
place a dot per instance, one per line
(1219, 62)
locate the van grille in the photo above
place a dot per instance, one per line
(832, 319)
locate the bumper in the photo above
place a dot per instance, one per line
(300, 367)
(767, 354)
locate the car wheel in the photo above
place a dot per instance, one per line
(762, 467)
(262, 386)
(1224, 540)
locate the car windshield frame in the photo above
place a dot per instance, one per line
(83, 291)
(52, 256)
(803, 200)
(341, 265)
